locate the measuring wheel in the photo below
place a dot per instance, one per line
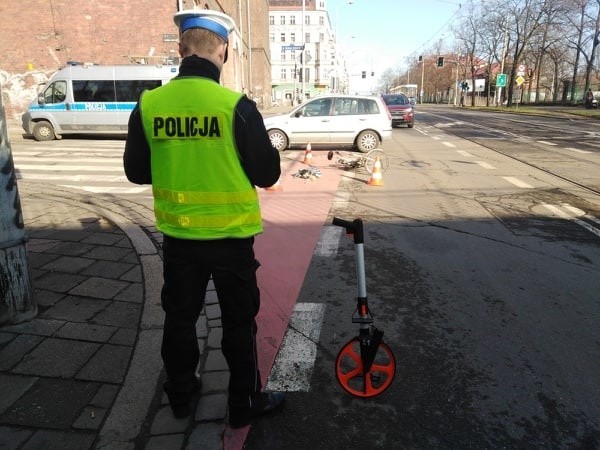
(349, 370)
(372, 156)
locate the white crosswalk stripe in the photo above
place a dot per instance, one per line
(96, 168)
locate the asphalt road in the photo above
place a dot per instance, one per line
(485, 279)
(482, 270)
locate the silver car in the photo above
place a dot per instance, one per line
(333, 120)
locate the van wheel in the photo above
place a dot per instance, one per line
(43, 131)
(278, 139)
(367, 140)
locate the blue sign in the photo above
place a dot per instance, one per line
(292, 47)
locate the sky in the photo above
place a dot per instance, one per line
(379, 34)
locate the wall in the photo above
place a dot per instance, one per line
(43, 35)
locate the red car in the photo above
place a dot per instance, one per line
(401, 109)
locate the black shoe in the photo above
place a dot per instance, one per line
(261, 404)
(180, 399)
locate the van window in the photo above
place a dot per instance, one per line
(130, 90)
(55, 93)
(94, 90)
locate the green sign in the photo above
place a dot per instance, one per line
(501, 80)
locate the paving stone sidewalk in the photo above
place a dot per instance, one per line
(86, 372)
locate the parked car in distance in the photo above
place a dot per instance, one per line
(331, 121)
(401, 109)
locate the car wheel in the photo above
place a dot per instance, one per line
(43, 131)
(367, 140)
(410, 125)
(278, 139)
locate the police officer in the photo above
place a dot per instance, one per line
(204, 148)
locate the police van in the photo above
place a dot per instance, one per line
(91, 99)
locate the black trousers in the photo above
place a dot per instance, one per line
(188, 266)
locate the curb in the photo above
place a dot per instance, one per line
(128, 413)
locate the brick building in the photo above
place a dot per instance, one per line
(41, 36)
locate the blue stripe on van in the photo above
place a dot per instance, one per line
(86, 106)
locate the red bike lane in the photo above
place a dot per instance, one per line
(293, 217)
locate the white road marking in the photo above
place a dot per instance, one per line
(546, 143)
(328, 243)
(563, 215)
(576, 150)
(74, 178)
(109, 189)
(449, 144)
(465, 154)
(518, 182)
(295, 360)
(485, 165)
(580, 213)
(57, 163)
(66, 168)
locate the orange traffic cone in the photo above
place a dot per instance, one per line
(308, 154)
(276, 187)
(376, 178)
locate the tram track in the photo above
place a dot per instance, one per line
(464, 128)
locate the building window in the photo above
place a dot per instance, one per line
(283, 74)
(321, 20)
(292, 55)
(281, 20)
(306, 37)
(292, 20)
(283, 55)
(292, 37)
(321, 37)
(282, 37)
(272, 37)
(307, 20)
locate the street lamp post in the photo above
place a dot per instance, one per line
(422, 78)
(302, 54)
(503, 58)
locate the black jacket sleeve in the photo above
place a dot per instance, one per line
(136, 159)
(260, 159)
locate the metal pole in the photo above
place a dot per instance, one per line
(302, 54)
(251, 79)
(16, 294)
(422, 78)
(503, 57)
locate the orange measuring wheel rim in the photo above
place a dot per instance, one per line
(349, 370)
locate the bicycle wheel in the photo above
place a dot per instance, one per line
(370, 160)
(349, 370)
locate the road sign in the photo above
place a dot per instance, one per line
(519, 80)
(292, 47)
(501, 80)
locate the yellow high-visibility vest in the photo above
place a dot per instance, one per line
(200, 188)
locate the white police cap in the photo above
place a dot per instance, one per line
(215, 21)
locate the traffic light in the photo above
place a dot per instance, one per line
(364, 74)
(440, 61)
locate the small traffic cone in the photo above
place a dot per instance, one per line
(276, 187)
(308, 154)
(376, 178)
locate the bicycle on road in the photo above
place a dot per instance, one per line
(365, 366)
(350, 160)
